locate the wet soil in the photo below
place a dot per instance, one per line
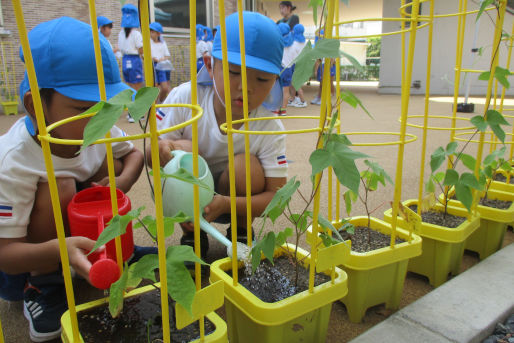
(272, 283)
(365, 239)
(494, 203)
(140, 321)
(502, 178)
(439, 218)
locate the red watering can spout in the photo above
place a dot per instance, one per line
(89, 212)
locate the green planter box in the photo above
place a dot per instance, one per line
(442, 247)
(303, 317)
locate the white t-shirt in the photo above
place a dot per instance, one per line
(159, 49)
(130, 45)
(288, 56)
(209, 47)
(22, 167)
(201, 48)
(297, 48)
(269, 149)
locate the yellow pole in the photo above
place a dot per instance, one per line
(148, 70)
(493, 140)
(402, 28)
(1, 334)
(494, 62)
(509, 55)
(404, 112)
(425, 117)
(52, 183)
(108, 145)
(230, 139)
(248, 175)
(325, 108)
(194, 127)
(338, 91)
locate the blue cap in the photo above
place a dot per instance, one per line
(129, 16)
(298, 31)
(287, 38)
(208, 36)
(155, 26)
(64, 59)
(199, 32)
(263, 42)
(101, 21)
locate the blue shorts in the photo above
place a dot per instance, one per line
(161, 75)
(132, 69)
(11, 286)
(320, 71)
(286, 76)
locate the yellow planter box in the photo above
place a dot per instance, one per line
(10, 107)
(442, 247)
(302, 317)
(503, 186)
(218, 336)
(377, 276)
(493, 223)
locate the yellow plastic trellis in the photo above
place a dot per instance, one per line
(8, 71)
(426, 116)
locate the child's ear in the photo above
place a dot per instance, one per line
(208, 62)
(28, 102)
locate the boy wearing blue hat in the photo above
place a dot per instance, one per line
(29, 252)
(130, 43)
(202, 48)
(297, 47)
(287, 73)
(264, 49)
(105, 28)
(161, 60)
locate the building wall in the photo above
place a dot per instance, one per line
(36, 11)
(442, 75)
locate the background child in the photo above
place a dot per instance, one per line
(297, 47)
(105, 28)
(130, 43)
(318, 73)
(160, 53)
(202, 48)
(29, 252)
(208, 38)
(264, 49)
(287, 72)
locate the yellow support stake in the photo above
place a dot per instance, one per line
(148, 69)
(404, 112)
(427, 98)
(52, 183)
(338, 91)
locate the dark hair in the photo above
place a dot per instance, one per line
(108, 25)
(127, 31)
(47, 95)
(288, 4)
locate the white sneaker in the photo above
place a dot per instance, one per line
(130, 119)
(299, 103)
(316, 101)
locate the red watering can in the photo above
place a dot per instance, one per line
(89, 211)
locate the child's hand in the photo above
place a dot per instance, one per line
(121, 183)
(218, 206)
(78, 247)
(165, 148)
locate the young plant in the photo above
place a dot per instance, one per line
(490, 167)
(370, 178)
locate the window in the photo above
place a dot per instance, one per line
(174, 14)
(3, 31)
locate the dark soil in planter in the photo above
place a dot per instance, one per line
(140, 321)
(503, 333)
(272, 283)
(361, 242)
(439, 218)
(494, 203)
(502, 178)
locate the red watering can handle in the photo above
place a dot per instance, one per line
(104, 271)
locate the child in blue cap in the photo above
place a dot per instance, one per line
(287, 73)
(130, 43)
(208, 38)
(264, 49)
(202, 48)
(161, 60)
(318, 72)
(105, 28)
(29, 252)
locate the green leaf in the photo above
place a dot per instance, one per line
(282, 236)
(450, 148)
(100, 124)
(464, 195)
(117, 227)
(116, 294)
(169, 223)
(479, 123)
(501, 75)
(506, 166)
(328, 240)
(95, 108)
(122, 98)
(468, 160)
(132, 280)
(488, 171)
(430, 187)
(437, 159)
(300, 220)
(483, 6)
(181, 254)
(325, 48)
(495, 118)
(268, 246)
(303, 67)
(324, 223)
(353, 101)
(378, 170)
(469, 180)
(484, 76)
(281, 199)
(339, 138)
(439, 176)
(145, 267)
(353, 61)
(256, 255)
(451, 177)
(348, 201)
(498, 131)
(183, 174)
(143, 101)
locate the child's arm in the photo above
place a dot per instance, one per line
(221, 203)
(127, 169)
(165, 148)
(17, 256)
